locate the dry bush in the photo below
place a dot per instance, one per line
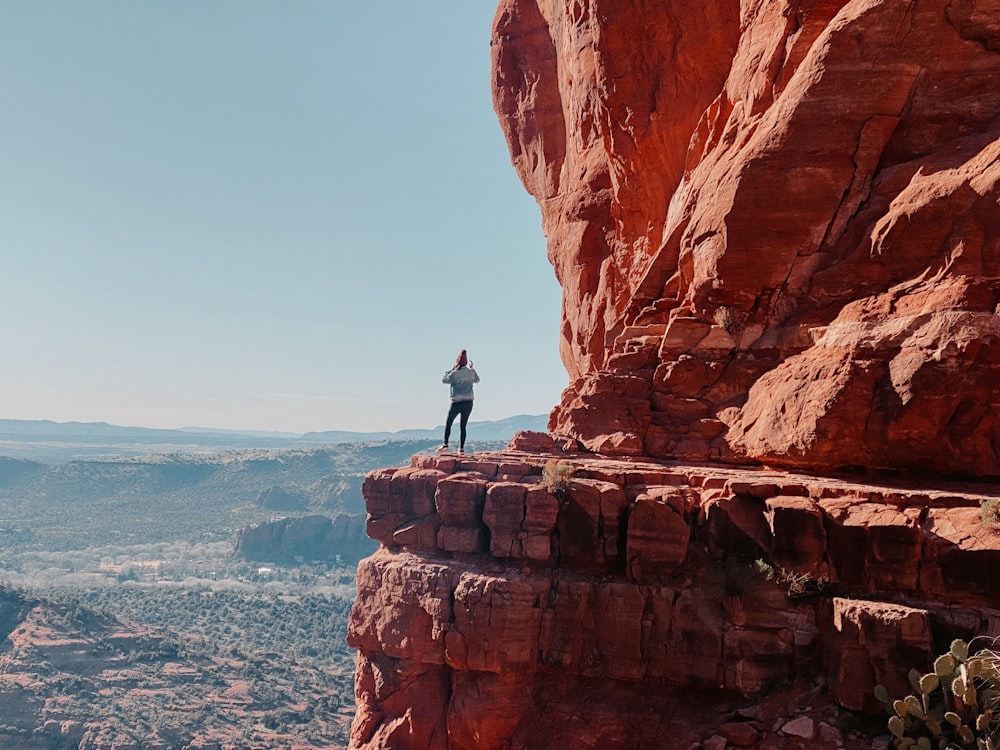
(556, 476)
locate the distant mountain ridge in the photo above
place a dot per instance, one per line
(46, 440)
(502, 429)
(90, 432)
(19, 429)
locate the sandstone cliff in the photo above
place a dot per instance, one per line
(775, 223)
(777, 229)
(503, 612)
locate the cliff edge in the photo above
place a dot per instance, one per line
(771, 481)
(533, 598)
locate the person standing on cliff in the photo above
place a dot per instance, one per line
(460, 377)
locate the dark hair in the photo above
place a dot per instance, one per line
(462, 359)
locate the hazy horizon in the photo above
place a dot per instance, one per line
(263, 216)
(214, 428)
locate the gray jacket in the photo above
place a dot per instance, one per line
(461, 383)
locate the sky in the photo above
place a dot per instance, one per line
(263, 215)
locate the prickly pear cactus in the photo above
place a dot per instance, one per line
(956, 706)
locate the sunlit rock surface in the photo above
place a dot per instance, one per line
(776, 224)
(645, 601)
(777, 230)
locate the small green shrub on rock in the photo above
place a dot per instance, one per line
(797, 585)
(764, 568)
(556, 477)
(730, 319)
(989, 513)
(953, 707)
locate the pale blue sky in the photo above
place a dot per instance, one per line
(265, 215)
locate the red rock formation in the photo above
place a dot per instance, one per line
(777, 228)
(776, 224)
(639, 579)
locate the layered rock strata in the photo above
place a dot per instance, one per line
(776, 223)
(501, 605)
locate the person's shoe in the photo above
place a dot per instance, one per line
(443, 448)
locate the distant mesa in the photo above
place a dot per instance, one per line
(313, 538)
(277, 498)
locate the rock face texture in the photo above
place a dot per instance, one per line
(639, 604)
(777, 228)
(776, 223)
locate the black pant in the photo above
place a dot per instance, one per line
(463, 408)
